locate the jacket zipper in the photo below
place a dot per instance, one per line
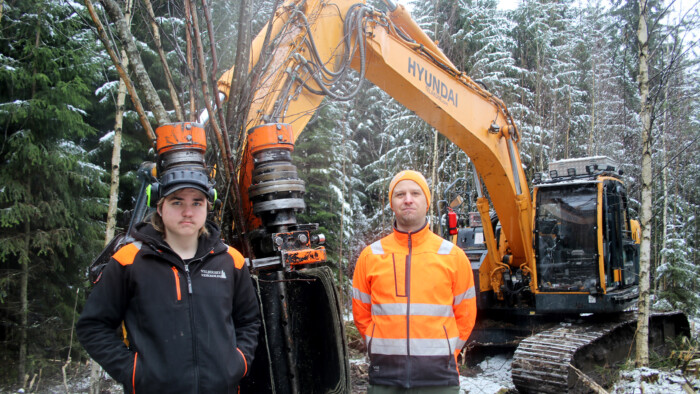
(189, 278)
(194, 340)
(191, 309)
(408, 309)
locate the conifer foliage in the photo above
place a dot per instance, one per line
(51, 198)
(566, 70)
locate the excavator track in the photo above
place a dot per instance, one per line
(548, 361)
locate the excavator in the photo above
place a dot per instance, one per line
(567, 251)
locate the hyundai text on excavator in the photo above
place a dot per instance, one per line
(567, 250)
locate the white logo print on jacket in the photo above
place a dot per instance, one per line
(213, 274)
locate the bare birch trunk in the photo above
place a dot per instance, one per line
(190, 63)
(122, 72)
(116, 161)
(164, 61)
(143, 81)
(342, 227)
(224, 156)
(242, 87)
(235, 118)
(642, 339)
(661, 284)
(568, 125)
(70, 343)
(213, 80)
(592, 149)
(95, 369)
(538, 107)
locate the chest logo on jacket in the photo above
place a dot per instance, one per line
(213, 274)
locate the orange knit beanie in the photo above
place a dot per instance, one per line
(414, 176)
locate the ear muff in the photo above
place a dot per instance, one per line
(213, 197)
(152, 194)
(177, 179)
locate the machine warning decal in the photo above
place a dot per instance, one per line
(433, 84)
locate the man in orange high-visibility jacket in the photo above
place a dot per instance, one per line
(413, 299)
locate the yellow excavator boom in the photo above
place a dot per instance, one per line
(396, 55)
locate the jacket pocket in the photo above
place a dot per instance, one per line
(147, 376)
(450, 355)
(245, 362)
(235, 367)
(369, 342)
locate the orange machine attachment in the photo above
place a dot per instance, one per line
(276, 195)
(183, 135)
(271, 136)
(180, 145)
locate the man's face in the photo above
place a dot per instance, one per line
(409, 205)
(184, 213)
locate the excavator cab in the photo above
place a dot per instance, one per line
(565, 238)
(586, 257)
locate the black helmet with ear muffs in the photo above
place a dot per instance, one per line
(176, 179)
(180, 162)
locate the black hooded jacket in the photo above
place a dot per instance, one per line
(191, 328)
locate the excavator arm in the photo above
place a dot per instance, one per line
(300, 58)
(314, 43)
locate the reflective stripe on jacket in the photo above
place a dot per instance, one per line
(414, 303)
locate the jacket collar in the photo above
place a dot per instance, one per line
(145, 232)
(416, 237)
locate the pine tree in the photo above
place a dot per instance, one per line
(52, 198)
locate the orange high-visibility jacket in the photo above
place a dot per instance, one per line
(414, 303)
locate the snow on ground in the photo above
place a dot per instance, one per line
(649, 380)
(495, 377)
(492, 376)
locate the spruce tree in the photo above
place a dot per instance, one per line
(51, 198)
(542, 29)
(318, 157)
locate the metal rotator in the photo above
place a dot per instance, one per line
(276, 194)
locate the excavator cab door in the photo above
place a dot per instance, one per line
(565, 238)
(621, 252)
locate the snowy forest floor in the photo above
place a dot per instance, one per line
(490, 376)
(488, 373)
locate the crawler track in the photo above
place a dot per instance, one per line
(543, 362)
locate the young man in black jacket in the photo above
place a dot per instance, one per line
(186, 299)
